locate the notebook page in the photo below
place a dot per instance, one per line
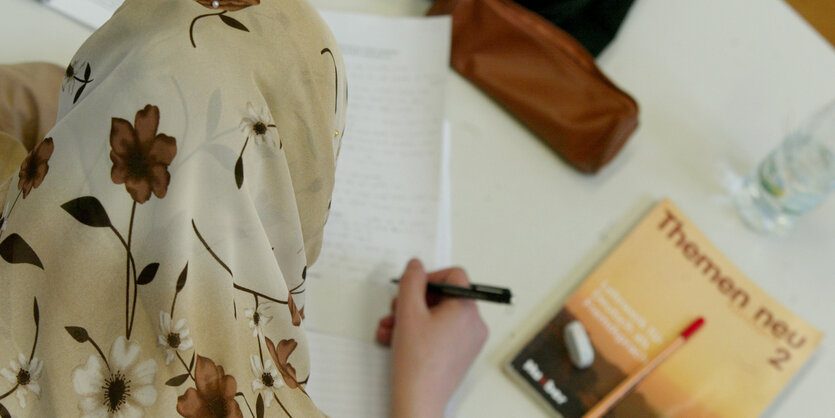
(444, 242)
(386, 198)
(351, 308)
(349, 378)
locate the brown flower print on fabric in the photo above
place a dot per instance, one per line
(35, 166)
(295, 313)
(14, 249)
(228, 5)
(280, 355)
(140, 155)
(214, 396)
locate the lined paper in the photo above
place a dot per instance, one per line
(390, 202)
(387, 194)
(349, 378)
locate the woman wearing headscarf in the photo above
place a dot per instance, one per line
(155, 241)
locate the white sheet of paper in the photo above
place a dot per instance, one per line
(444, 246)
(352, 379)
(351, 308)
(349, 378)
(388, 180)
(391, 202)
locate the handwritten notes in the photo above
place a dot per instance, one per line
(390, 202)
(388, 180)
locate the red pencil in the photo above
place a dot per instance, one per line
(627, 385)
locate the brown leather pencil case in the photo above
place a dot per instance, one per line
(543, 76)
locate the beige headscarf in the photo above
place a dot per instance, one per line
(155, 244)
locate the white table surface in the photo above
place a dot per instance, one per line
(718, 83)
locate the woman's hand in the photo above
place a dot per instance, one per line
(434, 341)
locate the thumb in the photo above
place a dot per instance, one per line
(412, 288)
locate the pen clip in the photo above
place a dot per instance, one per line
(490, 289)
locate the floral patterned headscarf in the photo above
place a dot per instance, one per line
(154, 245)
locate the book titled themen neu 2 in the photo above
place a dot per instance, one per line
(659, 278)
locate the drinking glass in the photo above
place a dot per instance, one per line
(794, 178)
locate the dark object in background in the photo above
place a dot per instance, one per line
(593, 23)
(543, 76)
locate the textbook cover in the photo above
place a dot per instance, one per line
(656, 281)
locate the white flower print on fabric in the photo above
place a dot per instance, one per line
(121, 387)
(266, 379)
(258, 317)
(25, 375)
(257, 124)
(174, 338)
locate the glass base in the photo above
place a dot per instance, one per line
(760, 211)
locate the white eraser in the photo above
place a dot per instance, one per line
(579, 347)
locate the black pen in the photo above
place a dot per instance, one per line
(475, 291)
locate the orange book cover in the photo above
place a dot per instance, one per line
(656, 281)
